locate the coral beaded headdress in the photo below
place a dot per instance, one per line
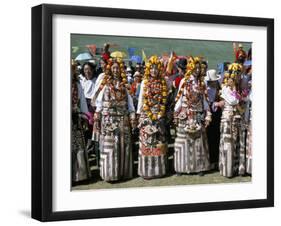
(191, 65)
(234, 70)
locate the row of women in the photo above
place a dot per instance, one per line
(201, 106)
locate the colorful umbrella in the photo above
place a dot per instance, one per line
(83, 56)
(136, 58)
(248, 63)
(118, 54)
(131, 51)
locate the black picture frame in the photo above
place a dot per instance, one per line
(42, 111)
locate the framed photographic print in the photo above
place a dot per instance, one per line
(146, 112)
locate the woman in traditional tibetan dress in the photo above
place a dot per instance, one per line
(151, 109)
(80, 167)
(192, 116)
(113, 119)
(232, 150)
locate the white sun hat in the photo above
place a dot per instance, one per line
(212, 75)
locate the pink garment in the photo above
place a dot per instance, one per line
(90, 117)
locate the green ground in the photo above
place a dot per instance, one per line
(215, 52)
(171, 179)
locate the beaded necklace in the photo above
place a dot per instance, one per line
(155, 95)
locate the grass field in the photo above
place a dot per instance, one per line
(171, 179)
(210, 178)
(214, 51)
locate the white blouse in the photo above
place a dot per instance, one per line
(88, 87)
(99, 101)
(228, 95)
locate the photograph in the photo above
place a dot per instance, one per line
(159, 112)
(139, 112)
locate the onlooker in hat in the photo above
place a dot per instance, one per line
(138, 68)
(129, 75)
(135, 88)
(173, 84)
(130, 64)
(240, 54)
(181, 67)
(213, 131)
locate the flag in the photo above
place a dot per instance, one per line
(92, 49)
(75, 49)
(144, 56)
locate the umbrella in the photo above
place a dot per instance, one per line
(118, 54)
(248, 63)
(83, 56)
(136, 58)
(131, 51)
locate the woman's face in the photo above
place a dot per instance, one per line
(138, 68)
(115, 69)
(102, 65)
(88, 71)
(154, 71)
(203, 70)
(230, 82)
(197, 70)
(138, 79)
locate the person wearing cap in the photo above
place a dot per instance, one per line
(174, 81)
(135, 87)
(129, 73)
(138, 68)
(181, 67)
(106, 54)
(213, 131)
(240, 54)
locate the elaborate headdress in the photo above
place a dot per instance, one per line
(120, 63)
(192, 61)
(153, 60)
(234, 70)
(191, 65)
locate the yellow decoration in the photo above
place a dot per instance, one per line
(162, 85)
